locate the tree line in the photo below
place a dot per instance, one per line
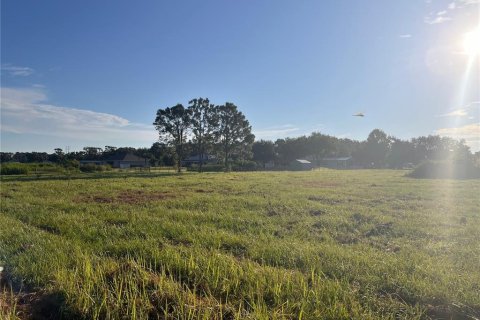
(205, 129)
(379, 150)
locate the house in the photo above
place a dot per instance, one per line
(337, 163)
(196, 159)
(301, 164)
(126, 160)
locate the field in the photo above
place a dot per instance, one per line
(324, 244)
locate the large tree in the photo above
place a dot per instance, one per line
(234, 132)
(173, 125)
(377, 147)
(319, 146)
(204, 124)
(263, 151)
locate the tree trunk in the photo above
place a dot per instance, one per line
(226, 161)
(201, 158)
(179, 165)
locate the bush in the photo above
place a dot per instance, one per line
(14, 168)
(207, 168)
(446, 170)
(244, 166)
(90, 167)
(71, 164)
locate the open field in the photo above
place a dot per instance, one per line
(325, 244)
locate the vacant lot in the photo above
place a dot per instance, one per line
(307, 245)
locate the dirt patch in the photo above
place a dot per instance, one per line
(128, 197)
(203, 191)
(25, 303)
(49, 228)
(453, 311)
(319, 212)
(5, 195)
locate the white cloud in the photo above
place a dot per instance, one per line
(452, 6)
(17, 71)
(437, 20)
(406, 36)
(24, 111)
(470, 133)
(441, 13)
(469, 2)
(275, 132)
(456, 113)
(461, 112)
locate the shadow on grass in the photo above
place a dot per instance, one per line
(34, 304)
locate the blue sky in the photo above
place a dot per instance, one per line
(93, 73)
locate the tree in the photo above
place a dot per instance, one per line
(234, 132)
(289, 149)
(58, 156)
(6, 156)
(377, 147)
(204, 120)
(173, 125)
(320, 146)
(263, 151)
(162, 154)
(92, 153)
(401, 153)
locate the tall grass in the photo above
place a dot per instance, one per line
(307, 245)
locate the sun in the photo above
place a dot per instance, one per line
(471, 42)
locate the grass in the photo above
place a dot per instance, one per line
(365, 244)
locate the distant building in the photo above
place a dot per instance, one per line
(120, 160)
(337, 163)
(126, 160)
(301, 164)
(196, 159)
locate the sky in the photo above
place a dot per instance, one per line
(94, 73)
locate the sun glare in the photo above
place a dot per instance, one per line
(471, 42)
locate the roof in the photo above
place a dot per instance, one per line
(303, 161)
(338, 159)
(124, 156)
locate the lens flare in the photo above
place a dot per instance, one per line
(471, 42)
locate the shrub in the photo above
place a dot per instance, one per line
(207, 168)
(90, 167)
(245, 165)
(446, 170)
(14, 168)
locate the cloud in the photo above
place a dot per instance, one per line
(461, 112)
(470, 133)
(456, 113)
(437, 20)
(452, 6)
(17, 71)
(405, 36)
(276, 132)
(469, 2)
(24, 111)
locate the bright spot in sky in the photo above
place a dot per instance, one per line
(471, 42)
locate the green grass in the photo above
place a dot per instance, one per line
(325, 244)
